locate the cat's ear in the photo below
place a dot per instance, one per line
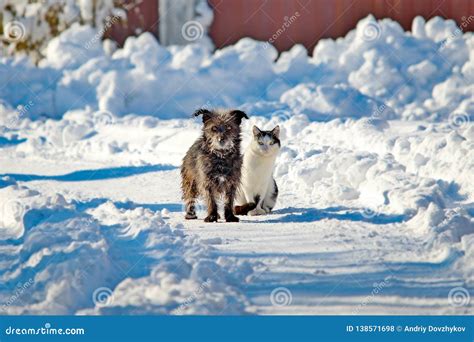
(206, 114)
(256, 131)
(239, 115)
(276, 132)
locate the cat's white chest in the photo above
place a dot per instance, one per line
(256, 172)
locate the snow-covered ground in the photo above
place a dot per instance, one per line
(376, 210)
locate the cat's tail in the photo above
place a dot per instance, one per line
(244, 209)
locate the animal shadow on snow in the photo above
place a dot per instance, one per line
(90, 175)
(5, 142)
(292, 214)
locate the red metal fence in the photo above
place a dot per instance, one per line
(261, 19)
(142, 16)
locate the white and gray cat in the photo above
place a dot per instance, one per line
(258, 192)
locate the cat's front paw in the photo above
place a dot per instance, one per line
(257, 211)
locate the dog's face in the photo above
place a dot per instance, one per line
(221, 128)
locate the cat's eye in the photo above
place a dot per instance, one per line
(214, 129)
(260, 143)
(272, 143)
(228, 128)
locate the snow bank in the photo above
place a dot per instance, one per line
(376, 70)
(73, 257)
(337, 161)
(323, 103)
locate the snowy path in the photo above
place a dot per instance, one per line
(330, 260)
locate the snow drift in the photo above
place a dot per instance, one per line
(423, 74)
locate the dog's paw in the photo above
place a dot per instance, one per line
(190, 216)
(211, 218)
(232, 219)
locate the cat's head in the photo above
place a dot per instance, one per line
(266, 143)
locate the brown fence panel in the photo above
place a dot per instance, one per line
(142, 16)
(261, 19)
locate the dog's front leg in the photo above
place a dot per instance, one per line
(229, 206)
(212, 214)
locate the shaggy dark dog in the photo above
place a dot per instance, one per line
(212, 166)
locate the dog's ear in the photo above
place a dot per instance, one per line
(276, 131)
(206, 114)
(239, 115)
(256, 131)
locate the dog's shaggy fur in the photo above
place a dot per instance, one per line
(212, 166)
